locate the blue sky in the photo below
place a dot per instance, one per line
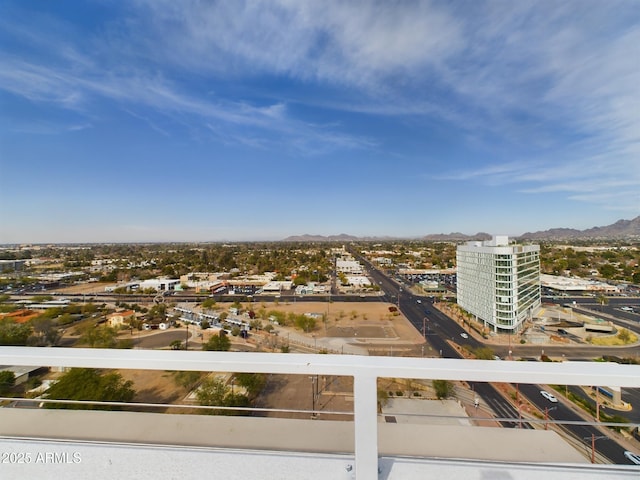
(255, 120)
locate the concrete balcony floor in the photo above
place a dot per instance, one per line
(78, 444)
(102, 461)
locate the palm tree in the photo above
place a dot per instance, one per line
(602, 300)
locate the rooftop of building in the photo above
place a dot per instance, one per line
(144, 445)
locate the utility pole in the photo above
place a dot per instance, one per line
(593, 445)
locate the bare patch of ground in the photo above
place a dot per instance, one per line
(154, 386)
(363, 322)
(367, 324)
(85, 288)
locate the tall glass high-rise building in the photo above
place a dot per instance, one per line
(499, 283)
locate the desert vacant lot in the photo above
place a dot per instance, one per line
(369, 325)
(365, 322)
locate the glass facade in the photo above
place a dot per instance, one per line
(499, 283)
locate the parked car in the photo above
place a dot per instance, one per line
(633, 457)
(548, 396)
(464, 335)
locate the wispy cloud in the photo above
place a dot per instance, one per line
(560, 89)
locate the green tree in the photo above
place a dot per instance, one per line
(624, 335)
(443, 388)
(187, 380)
(89, 308)
(383, 399)
(158, 311)
(45, 332)
(7, 380)
(607, 270)
(208, 304)
(13, 333)
(101, 336)
(235, 400)
(279, 316)
(603, 300)
(252, 382)
(219, 343)
(484, 353)
(212, 392)
(256, 325)
(90, 384)
(305, 323)
(64, 319)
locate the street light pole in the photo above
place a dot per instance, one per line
(519, 416)
(546, 416)
(313, 397)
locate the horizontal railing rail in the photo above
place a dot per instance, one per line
(365, 371)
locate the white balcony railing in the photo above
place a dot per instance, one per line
(365, 371)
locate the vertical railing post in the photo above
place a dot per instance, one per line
(366, 425)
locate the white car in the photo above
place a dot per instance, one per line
(464, 335)
(548, 396)
(633, 457)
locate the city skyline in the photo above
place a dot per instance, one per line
(238, 121)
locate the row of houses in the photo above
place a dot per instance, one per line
(195, 317)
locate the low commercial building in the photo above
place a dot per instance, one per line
(358, 281)
(576, 285)
(348, 266)
(161, 284)
(278, 286)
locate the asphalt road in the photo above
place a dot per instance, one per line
(437, 327)
(561, 413)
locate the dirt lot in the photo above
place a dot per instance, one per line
(366, 324)
(154, 386)
(369, 323)
(85, 288)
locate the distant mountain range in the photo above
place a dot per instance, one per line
(622, 229)
(343, 237)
